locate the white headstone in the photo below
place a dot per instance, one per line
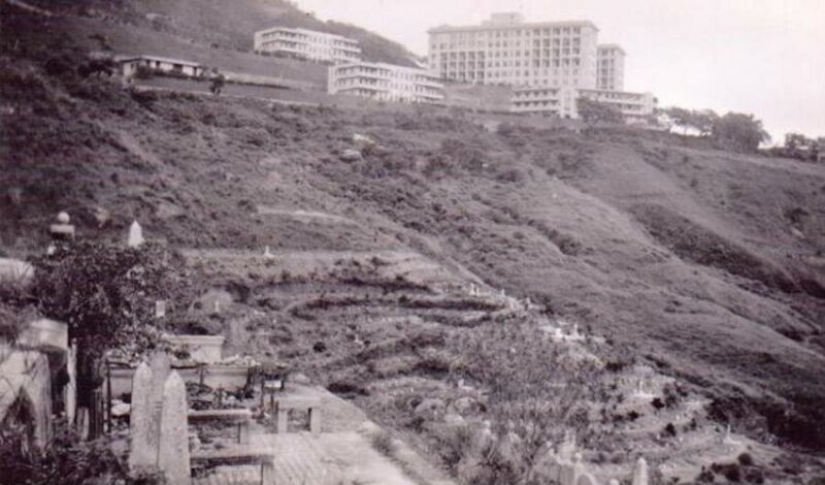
(640, 473)
(135, 235)
(71, 387)
(173, 456)
(567, 449)
(160, 308)
(161, 366)
(143, 455)
(267, 253)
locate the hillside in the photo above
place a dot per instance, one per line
(209, 23)
(706, 266)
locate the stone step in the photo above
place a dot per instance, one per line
(236, 475)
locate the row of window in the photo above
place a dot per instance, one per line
(536, 64)
(505, 45)
(300, 37)
(460, 56)
(506, 33)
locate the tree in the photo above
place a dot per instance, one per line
(680, 116)
(738, 131)
(594, 112)
(106, 294)
(701, 121)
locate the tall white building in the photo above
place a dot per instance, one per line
(307, 44)
(610, 67)
(385, 82)
(507, 50)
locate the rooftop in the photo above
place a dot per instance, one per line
(511, 21)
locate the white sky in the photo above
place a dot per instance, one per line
(765, 57)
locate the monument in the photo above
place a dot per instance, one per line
(135, 235)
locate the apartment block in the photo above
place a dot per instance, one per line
(507, 50)
(561, 102)
(385, 82)
(610, 67)
(307, 44)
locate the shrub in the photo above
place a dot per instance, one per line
(745, 459)
(67, 460)
(383, 443)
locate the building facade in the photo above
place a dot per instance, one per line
(385, 82)
(130, 65)
(610, 67)
(507, 50)
(306, 44)
(561, 102)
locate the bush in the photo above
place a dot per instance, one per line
(67, 460)
(745, 459)
(383, 443)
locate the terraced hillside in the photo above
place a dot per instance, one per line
(704, 265)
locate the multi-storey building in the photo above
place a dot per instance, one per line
(635, 107)
(385, 82)
(610, 67)
(506, 50)
(307, 44)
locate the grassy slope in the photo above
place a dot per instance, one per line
(680, 253)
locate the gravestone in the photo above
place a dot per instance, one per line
(173, 452)
(640, 472)
(567, 447)
(143, 455)
(160, 308)
(267, 253)
(161, 366)
(135, 235)
(62, 230)
(586, 479)
(71, 388)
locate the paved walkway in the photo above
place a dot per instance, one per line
(341, 454)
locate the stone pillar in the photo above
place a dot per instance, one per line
(143, 455)
(70, 396)
(173, 456)
(161, 366)
(243, 433)
(282, 419)
(315, 420)
(640, 472)
(135, 235)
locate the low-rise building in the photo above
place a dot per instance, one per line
(130, 65)
(385, 82)
(561, 102)
(306, 44)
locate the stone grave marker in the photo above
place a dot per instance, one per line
(640, 472)
(135, 235)
(161, 367)
(160, 308)
(143, 454)
(173, 452)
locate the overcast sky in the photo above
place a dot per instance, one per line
(765, 57)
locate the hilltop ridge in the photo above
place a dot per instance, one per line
(210, 23)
